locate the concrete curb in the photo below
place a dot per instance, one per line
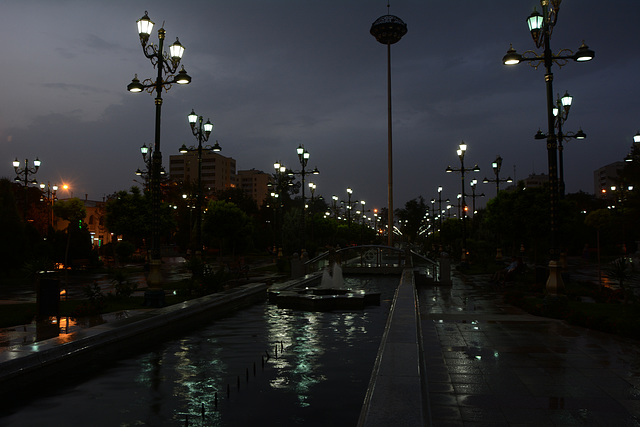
(394, 395)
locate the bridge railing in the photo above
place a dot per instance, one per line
(372, 258)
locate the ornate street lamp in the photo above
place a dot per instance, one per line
(303, 157)
(25, 172)
(497, 165)
(335, 209)
(473, 184)
(147, 157)
(561, 113)
(50, 195)
(462, 149)
(389, 29)
(166, 64)
(349, 203)
(541, 27)
(201, 131)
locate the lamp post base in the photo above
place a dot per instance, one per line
(154, 279)
(555, 303)
(555, 285)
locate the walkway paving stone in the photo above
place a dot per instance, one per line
(488, 363)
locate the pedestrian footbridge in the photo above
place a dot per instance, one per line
(374, 259)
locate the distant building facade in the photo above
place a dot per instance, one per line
(254, 183)
(218, 171)
(536, 180)
(606, 177)
(94, 221)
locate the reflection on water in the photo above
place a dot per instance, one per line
(229, 370)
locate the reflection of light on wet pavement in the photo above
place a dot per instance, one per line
(487, 362)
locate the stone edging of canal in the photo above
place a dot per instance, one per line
(25, 368)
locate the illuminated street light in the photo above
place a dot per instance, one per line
(25, 172)
(166, 66)
(541, 27)
(201, 131)
(462, 149)
(561, 113)
(497, 165)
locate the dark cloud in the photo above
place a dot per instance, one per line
(272, 75)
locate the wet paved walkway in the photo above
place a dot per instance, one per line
(488, 363)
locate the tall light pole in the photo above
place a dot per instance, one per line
(389, 29)
(473, 184)
(462, 149)
(541, 27)
(51, 196)
(303, 158)
(25, 172)
(561, 114)
(166, 65)
(201, 131)
(439, 208)
(496, 165)
(147, 157)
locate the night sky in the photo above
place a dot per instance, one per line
(275, 74)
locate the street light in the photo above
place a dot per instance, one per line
(389, 29)
(349, 203)
(147, 157)
(303, 157)
(473, 184)
(25, 171)
(335, 209)
(462, 149)
(50, 195)
(201, 131)
(561, 113)
(166, 65)
(541, 27)
(497, 165)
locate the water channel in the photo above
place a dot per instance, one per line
(261, 366)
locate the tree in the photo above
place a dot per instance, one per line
(598, 219)
(226, 226)
(520, 217)
(411, 218)
(128, 214)
(12, 233)
(73, 211)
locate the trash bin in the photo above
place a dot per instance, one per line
(48, 295)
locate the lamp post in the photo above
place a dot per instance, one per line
(473, 184)
(280, 185)
(462, 149)
(201, 131)
(497, 165)
(26, 171)
(541, 27)
(166, 65)
(147, 157)
(389, 29)
(335, 209)
(561, 113)
(303, 157)
(51, 196)
(349, 203)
